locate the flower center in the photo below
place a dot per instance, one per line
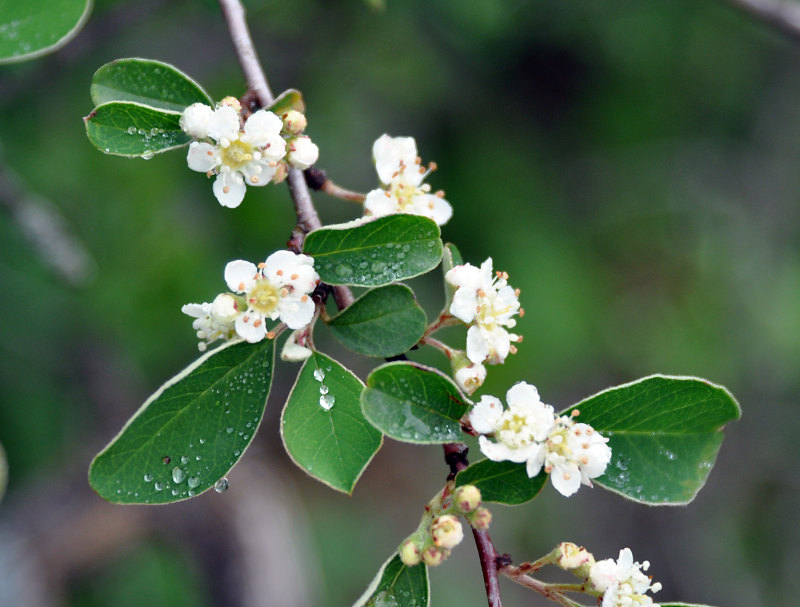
(237, 154)
(264, 297)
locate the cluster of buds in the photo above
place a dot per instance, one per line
(239, 152)
(433, 542)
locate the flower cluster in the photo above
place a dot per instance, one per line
(401, 174)
(278, 288)
(529, 431)
(251, 152)
(622, 582)
(488, 304)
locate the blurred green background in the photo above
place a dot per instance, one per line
(632, 165)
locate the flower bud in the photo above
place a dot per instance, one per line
(409, 553)
(281, 171)
(575, 559)
(292, 350)
(480, 519)
(446, 531)
(468, 375)
(294, 122)
(433, 556)
(233, 102)
(224, 308)
(195, 119)
(467, 498)
(302, 152)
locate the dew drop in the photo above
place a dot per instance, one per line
(158, 486)
(131, 130)
(174, 492)
(326, 401)
(148, 478)
(178, 475)
(229, 430)
(193, 482)
(319, 374)
(343, 270)
(184, 460)
(147, 155)
(221, 485)
(323, 389)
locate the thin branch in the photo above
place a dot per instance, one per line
(783, 16)
(307, 217)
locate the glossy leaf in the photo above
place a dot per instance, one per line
(414, 404)
(502, 482)
(32, 28)
(322, 426)
(191, 431)
(289, 99)
(450, 259)
(383, 322)
(397, 585)
(147, 82)
(664, 433)
(375, 252)
(131, 129)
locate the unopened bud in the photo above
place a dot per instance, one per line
(292, 350)
(195, 119)
(480, 519)
(433, 556)
(302, 152)
(409, 553)
(224, 308)
(294, 122)
(468, 375)
(467, 498)
(446, 531)
(575, 559)
(281, 171)
(232, 102)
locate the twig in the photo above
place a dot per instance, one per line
(317, 179)
(783, 16)
(307, 217)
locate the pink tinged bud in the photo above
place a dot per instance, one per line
(294, 122)
(480, 519)
(434, 556)
(574, 558)
(446, 531)
(467, 498)
(410, 553)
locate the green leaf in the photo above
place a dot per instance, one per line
(3, 472)
(376, 252)
(191, 431)
(147, 82)
(32, 28)
(414, 404)
(384, 322)
(123, 128)
(322, 426)
(664, 433)
(289, 99)
(397, 585)
(502, 482)
(450, 259)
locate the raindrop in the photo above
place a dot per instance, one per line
(229, 430)
(319, 374)
(174, 492)
(378, 266)
(184, 460)
(148, 477)
(343, 269)
(326, 401)
(178, 475)
(131, 130)
(323, 389)
(158, 486)
(221, 485)
(166, 459)
(202, 441)
(147, 154)
(193, 482)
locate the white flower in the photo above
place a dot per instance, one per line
(292, 351)
(277, 288)
(488, 304)
(302, 153)
(529, 431)
(399, 170)
(214, 320)
(237, 156)
(622, 582)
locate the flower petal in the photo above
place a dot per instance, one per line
(224, 124)
(261, 128)
(240, 275)
(229, 189)
(377, 203)
(202, 157)
(251, 327)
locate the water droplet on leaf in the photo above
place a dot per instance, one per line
(178, 475)
(221, 485)
(326, 401)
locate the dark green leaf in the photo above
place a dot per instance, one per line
(397, 585)
(132, 129)
(664, 433)
(414, 404)
(383, 322)
(323, 428)
(191, 431)
(148, 82)
(376, 252)
(32, 28)
(289, 99)
(502, 482)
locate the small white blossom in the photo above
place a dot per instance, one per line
(214, 320)
(401, 174)
(277, 288)
(529, 431)
(488, 304)
(622, 582)
(292, 351)
(237, 156)
(302, 153)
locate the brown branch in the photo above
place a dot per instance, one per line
(783, 16)
(307, 217)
